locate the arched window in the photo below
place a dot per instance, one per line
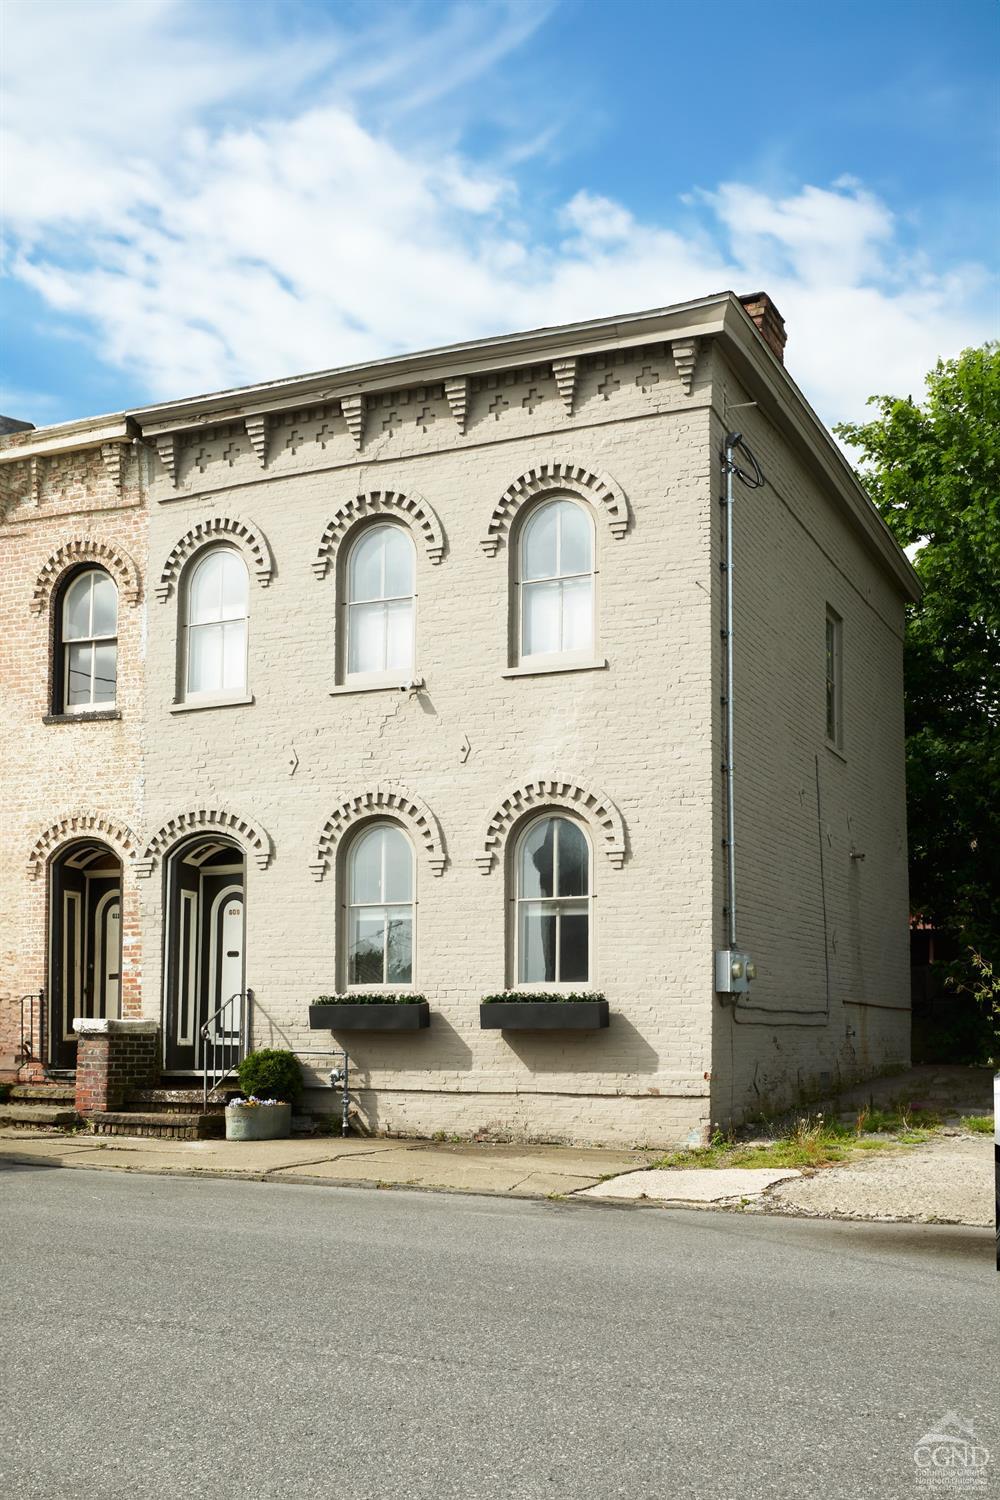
(380, 907)
(556, 582)
(380, 604)
(88, 643)
(216, 629)
(552, 902)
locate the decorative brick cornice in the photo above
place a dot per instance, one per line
(685, 352)
(457, 391)
(411, 508)
(565, 371)
(81, 549)
(241, 533)
(258, 431)
(83, 825)
(555, 476)
(596, 810)
(353, 408)
(254, 840)
(382, 801)
(168, 448)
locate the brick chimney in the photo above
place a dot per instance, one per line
(770, 323)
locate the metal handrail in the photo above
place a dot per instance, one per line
(229, 1045)
(26, 1051)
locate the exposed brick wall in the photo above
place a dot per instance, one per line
(112, 1060)
(50, 771)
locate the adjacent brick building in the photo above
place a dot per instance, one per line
(421, 681)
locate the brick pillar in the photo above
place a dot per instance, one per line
(111, 1058)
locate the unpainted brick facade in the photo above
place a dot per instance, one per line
(628, 417)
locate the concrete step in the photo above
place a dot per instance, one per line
(43, 1093)
(156, 1124)
(38, 1116)
(173, 1101)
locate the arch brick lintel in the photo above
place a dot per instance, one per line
(81, 825)
(411, 508)
(596, 810)
(80, 549)
(607, 497)
(240, 532)
(252, 836)
(386, 801)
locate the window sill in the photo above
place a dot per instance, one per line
(836, 750)
(198, 703)
(101, 717)
(376, 685)
(546, 669)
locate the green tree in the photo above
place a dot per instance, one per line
(933, 470)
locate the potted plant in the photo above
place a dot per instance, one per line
(526, 1010)
(271, 1081)
(377, 1011)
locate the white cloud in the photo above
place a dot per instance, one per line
(205, 243)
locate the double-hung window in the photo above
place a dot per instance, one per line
(380, 908)
(380, 604)
(216, 627)
(552, 902)
(555, 584)
(88, 626)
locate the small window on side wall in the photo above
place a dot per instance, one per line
(87, 644)
(555, 584)
(379, 606)
(552, 904)
(215, 628)
(834, 679)
(380, 908)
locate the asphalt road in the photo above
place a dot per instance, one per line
(170, 1338)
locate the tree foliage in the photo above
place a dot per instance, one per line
(933, 470)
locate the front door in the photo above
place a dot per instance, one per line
(85, 944)
(204, 950)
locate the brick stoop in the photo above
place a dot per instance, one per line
(169, 1101)
(38, 1116)
(157, 1124)
(39, 1106)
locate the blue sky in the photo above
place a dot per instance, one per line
(200, 195)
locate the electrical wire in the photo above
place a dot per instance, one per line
(753, 481)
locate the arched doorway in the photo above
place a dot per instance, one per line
(204, 959)
(85, 943)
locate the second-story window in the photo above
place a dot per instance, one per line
(556, 583)
(216, 629)
(834, 679)
(380, 604)
(88, 629)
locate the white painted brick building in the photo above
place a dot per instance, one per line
(274, 708)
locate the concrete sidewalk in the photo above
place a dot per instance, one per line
(520, 1171)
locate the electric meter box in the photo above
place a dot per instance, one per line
(734, 972)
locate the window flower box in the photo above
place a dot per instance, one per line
(514, 1011)
(376, 1012)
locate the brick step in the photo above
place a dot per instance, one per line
(173, 1101)
(38, 1116)
(43, 1093)
(157, 1125)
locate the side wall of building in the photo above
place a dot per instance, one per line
(471, 745)
(821, 832)
(71, 776)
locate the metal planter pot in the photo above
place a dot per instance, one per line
(370, 1017)
(544, 1015)
(258, 1122)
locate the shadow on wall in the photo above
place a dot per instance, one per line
(619, 1048)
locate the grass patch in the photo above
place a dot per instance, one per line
(812, 1140)
(979, 1124)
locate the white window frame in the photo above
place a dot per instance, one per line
(109, 704)
(388, 986)
(586, 654)
(397, 677)
(211, 695)
(833, 681)
(556, 985)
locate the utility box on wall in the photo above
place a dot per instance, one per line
(734, 972)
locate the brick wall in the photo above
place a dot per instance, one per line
(112, 1058)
